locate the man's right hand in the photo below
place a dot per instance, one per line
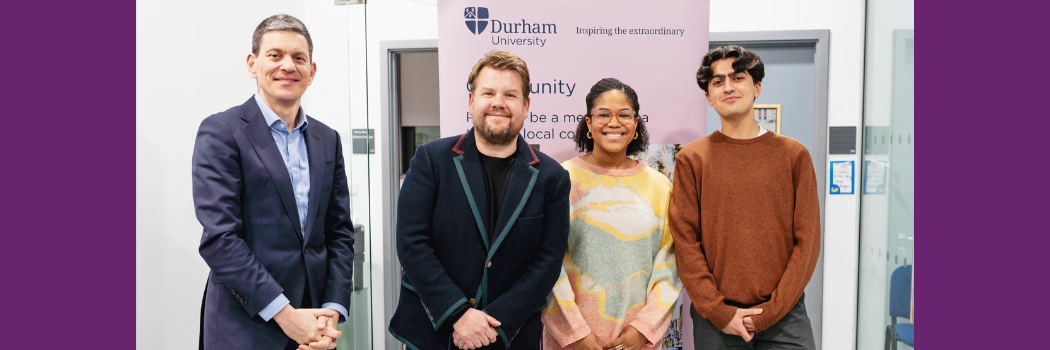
(736, 325)
(301, 324)
(474, 329)
(590, 342)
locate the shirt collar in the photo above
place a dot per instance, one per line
(760, 130)
(272, 118)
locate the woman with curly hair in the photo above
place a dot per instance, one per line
(619, 282)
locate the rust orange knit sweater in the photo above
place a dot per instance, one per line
(746, 224)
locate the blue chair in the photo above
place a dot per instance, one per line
(900, 306)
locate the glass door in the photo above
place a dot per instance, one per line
(338, 97)
(886, 304)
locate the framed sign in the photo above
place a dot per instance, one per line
(842, 177)
(768, 117)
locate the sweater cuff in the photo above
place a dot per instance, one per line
(652, 336)
(722, 314)
(765, 319)
(569, 338)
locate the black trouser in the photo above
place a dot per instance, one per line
(793, 331)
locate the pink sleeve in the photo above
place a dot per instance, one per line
(664, 288)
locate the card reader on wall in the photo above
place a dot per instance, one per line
(842, 140)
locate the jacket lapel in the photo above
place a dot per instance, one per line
(522, 179)
(314, 150)
(265, 147)
(468, 166)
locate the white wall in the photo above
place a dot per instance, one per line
(845, 19)
(190, 63)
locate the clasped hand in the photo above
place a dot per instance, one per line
(630, 339)
(474, 329)
(742, 324)
(311, 328)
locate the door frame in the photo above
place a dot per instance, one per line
(390, 107)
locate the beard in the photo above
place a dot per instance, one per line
(499, 138)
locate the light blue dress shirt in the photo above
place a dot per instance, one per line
(293, 150)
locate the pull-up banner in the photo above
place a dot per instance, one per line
(653, 46)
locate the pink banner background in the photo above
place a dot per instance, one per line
(660, 67)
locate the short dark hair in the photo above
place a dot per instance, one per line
(584, 144)
(745, 61)
(280, 22)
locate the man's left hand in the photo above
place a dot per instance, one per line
(327, 326)
(474, 329)
(325, 343)
(749, 325)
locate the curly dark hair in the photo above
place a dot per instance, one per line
(745, 61)
(584, 144)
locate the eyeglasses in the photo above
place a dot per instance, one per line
(603, 117)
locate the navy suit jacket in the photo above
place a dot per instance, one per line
(252, 239)
(449, 258)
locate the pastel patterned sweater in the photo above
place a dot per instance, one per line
(619, 268)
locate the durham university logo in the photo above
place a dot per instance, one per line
(476, 18)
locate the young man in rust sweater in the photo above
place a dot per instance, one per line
(745, 218)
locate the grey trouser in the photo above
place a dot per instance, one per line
(793, 331)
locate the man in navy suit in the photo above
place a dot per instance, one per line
(269, 187)
(482, 225)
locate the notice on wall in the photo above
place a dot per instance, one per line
(875, 177)
(363, 141)
(842, 177)
(655, 47)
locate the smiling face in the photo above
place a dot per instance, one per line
(283, 68)
(498, 105)
(612, 122)
(731, 94)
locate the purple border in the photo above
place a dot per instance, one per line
(70, 239)
(981, 166)
(69, 174)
